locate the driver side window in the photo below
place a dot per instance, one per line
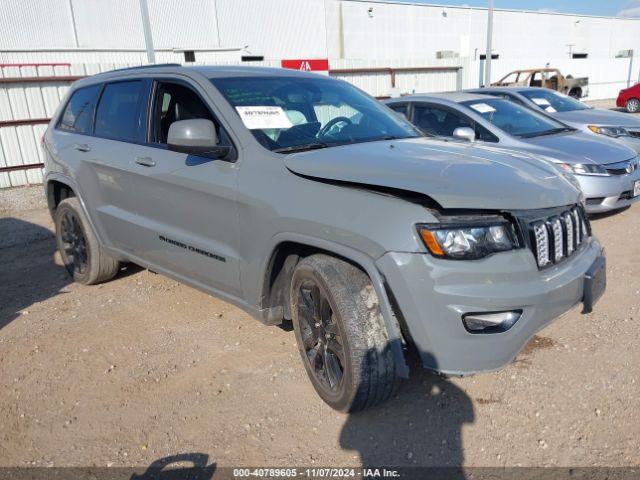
(443, 122)
(536, 80)
(438, 121)
(174, 102)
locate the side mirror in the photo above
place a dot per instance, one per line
(197, 137)
(465, 133)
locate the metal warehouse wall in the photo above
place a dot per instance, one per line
(112, 29)
(383, 30)
(275, 29)
(391, 30)
(99, 31)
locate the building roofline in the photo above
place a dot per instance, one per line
(515, 10)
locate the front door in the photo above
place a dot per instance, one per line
(186, 210)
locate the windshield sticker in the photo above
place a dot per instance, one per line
(264, 117)
(540, 101)
(550, 109)
(483, 108)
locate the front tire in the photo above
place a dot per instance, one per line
(341, 334)
(83, 257)
(632, 105)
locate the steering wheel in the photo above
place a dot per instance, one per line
(331, 123)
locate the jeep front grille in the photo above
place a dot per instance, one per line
(558, 237)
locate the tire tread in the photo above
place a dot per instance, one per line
(375, 379)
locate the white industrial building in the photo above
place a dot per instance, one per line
(70, 38)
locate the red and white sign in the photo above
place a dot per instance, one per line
(307, 65)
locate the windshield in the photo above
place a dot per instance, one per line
(514, 119)
(552, 102)
(288, 114)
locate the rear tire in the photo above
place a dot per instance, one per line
(632, 105)
(341, 334)
(83, 257)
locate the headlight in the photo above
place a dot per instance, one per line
(609, 131)
(468, 242)
(584, 168)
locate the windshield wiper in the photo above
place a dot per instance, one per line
(301, 148)
(552, 131)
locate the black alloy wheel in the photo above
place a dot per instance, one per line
(323, 344)
(74, 244)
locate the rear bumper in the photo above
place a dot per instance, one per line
(433, 294)
(604, 194)
(620, 102)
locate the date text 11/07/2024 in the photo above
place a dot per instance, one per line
(316, 472)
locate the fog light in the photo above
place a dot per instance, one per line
(494, 322)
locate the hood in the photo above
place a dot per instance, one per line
(456, 175)
(598, 116)
(578, 147)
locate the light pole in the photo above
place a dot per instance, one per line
(487, 71)
(146, 27)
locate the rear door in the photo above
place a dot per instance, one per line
(73, 134)
(105, 174)
(186, 213)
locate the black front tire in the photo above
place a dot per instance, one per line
(337, 299)
(83, 257)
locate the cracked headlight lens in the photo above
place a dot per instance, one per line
(468, 242)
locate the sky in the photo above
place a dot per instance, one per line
(622, 8)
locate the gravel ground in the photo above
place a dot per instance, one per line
(142, 367)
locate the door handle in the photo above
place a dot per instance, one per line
(145, 161)
(82, 147)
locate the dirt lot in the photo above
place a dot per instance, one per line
(142, 367)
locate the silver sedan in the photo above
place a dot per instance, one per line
(607, 170)
(596, 121)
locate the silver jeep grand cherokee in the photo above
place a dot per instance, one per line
(298, 197)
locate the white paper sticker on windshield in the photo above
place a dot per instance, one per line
(550, 109)
(483, 108)
(540, 101)
(264, 117)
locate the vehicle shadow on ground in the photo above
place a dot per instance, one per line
(165, 468)
(420, 427)
(30, 274)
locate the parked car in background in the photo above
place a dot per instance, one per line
(550, 78)
(607, 171)
(598, 121)
(298, 197)
(629, 98)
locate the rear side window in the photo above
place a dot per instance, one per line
(118, 114)
(78, 114)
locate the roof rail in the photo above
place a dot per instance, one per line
(140, 67)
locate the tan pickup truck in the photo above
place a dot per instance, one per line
(546, 77)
